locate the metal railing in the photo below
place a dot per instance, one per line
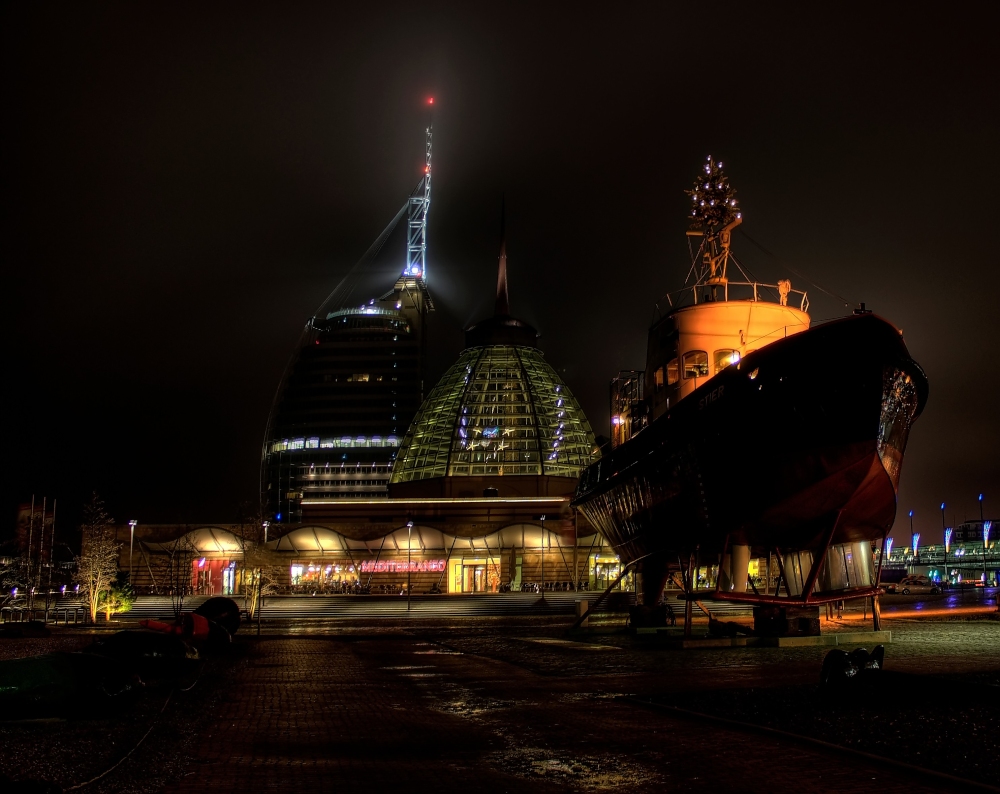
(752, 290)
(68, 614)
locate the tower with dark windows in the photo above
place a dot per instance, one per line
(354, 383)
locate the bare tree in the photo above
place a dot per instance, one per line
(179, 577)
(257, 573)
(12, 579)
(97, 565)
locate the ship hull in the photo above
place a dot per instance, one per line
(800, 446)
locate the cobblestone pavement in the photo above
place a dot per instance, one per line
(512, 707)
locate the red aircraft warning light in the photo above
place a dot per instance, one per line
(430, 100)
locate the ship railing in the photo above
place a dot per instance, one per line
(742, 290)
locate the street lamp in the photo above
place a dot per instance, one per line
(409, 534)
(131, 541)
(543, 557)
(987, 526)
(947, 548)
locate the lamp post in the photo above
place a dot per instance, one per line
(947, 548)
(986, 533)
(944, 529)
(131, 542)
(266, 525)
(987, 526)
(915, 538)
(409, 534)
(543, 558)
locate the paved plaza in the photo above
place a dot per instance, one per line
(514, 704)
(437, 709)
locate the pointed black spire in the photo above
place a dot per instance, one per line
(501, 328)
(503, 303)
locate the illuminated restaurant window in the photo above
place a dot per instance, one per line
(695, 364)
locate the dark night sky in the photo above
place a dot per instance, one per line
(183, 187)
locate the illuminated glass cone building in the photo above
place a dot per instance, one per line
(500, 421)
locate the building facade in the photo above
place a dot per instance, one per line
(317, 559)
(345, 403)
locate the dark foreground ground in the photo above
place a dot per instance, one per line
(510, 704)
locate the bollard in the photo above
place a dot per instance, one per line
(583, 608)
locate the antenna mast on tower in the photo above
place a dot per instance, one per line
(420, 203)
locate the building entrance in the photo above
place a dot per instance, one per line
(604, 569)
(211, 576)
(474, 578)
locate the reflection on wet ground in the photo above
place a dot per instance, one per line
(515, 704)
(569, 719)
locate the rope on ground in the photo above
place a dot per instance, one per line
(125, 757)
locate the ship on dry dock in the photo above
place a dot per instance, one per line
(755, 432)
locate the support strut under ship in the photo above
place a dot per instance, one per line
(758, 435)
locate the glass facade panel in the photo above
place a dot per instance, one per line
(499, 410)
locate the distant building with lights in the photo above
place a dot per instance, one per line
(972, 531)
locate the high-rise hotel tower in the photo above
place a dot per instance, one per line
(353, 385)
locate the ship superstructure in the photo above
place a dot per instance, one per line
(757, 434)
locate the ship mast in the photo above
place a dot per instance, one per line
(713, 217)
(419, 204)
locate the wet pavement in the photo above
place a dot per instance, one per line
(517, 707)
(514, 704)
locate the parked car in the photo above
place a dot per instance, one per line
(914, 585)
